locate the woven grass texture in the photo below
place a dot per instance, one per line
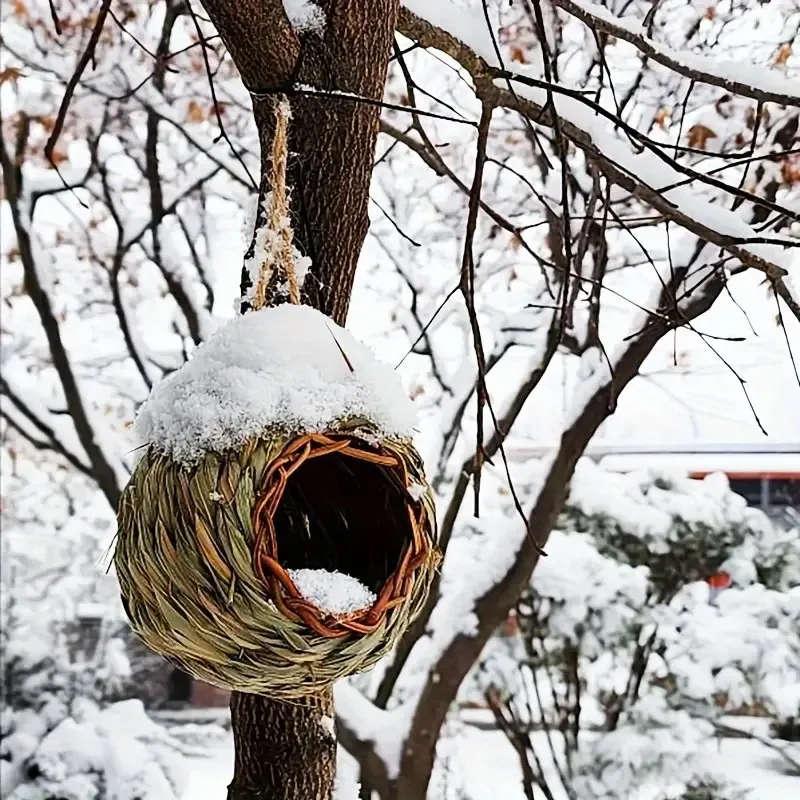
(204, 555)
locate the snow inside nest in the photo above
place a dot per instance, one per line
(286, 368)
(333, 592)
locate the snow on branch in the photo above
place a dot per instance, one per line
(650, 174)
(626, 156)
(494, 543)
(362, 726)
(186, 188)
(462, 24)
(763, 84)
(153, 102)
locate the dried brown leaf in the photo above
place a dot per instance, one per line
(783, 55)
(698, 136)
(194, 113)
(12, 74)
(518, 55)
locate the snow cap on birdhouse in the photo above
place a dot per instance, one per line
(278, 532)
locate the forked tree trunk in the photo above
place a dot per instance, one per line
(284, 751)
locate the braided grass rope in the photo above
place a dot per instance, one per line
(199, 557)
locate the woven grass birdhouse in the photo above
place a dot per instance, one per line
(278, 533)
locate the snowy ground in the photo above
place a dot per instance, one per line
(487, 766)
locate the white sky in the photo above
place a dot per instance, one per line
(700, 403)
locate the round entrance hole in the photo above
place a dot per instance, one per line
(344, 514)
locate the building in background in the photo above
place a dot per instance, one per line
(767, 476)
(163, 687)
(157, 683)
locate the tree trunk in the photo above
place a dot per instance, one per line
(283, 751)
(443, 682)
(331, 136)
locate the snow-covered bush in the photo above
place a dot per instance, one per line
(650, 739)
(38, 667)
(744, 650)
(64, 732)
(681, 529)
(624, 654)
(114, 753)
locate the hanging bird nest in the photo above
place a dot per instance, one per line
(265, 463)
(205, 557)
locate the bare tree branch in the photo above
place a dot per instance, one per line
(102, 470)
(51, 440)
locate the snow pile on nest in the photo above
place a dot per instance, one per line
(333, 592)
(286, 368)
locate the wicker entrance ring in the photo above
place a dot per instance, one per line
(266, 558)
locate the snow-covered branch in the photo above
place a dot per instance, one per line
(636, 164)
(762, 84)
(465, 616)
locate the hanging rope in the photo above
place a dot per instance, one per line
(278, 245)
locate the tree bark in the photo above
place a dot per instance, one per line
(331, 136)
(283, 752)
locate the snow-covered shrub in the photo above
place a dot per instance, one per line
(681, 529)
(64, 732)
(624, 653)
(650, 739)
(68, 728)
(38, 668)
(769, 556)
(115, 753)
(744, 650)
